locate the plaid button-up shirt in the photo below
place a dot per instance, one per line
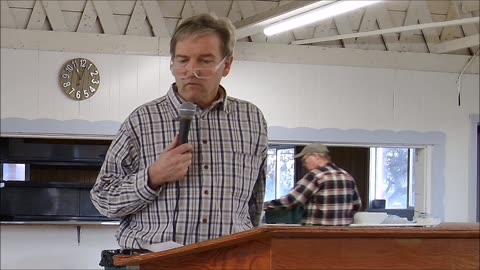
(329, 195)
(223, 191)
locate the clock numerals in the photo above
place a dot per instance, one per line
(74, 64)
(69, 68)
(79, 78)
(78, 94)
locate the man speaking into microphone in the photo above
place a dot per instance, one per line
(189, 166)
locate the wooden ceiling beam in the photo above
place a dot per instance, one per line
(156, 19)
(38, 16)
(457, 44)
(8, 20)
(137, 20)
(55, 15)
(247, 9)
(105, 15)
(245, 51)
(390, 30)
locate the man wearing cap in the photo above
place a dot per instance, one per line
(328, 193)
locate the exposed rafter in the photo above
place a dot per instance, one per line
(276, 53)
(105, 15)
(137, 20)
(89, 16)
(390, 30)
(419, 12)
(156, 19)
(55, 15)
(8, 20)
(457, 44)
(378, 27)
(247, 10)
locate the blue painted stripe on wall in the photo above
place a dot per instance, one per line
(60, 127)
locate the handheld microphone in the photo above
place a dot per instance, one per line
(186, 113)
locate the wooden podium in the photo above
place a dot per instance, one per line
(446, 246)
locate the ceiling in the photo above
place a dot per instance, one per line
(138, 20)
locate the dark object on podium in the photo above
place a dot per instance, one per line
(284, 215)
(107, 257)
(378, 204)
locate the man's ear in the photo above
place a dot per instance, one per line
(228, 65)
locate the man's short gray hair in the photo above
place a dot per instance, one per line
(206, 24)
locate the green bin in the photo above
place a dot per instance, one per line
(284, 215)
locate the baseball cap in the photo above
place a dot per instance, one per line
(314, 148)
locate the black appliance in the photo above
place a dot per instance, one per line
(52, 188)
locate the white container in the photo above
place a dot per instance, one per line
(369, 217)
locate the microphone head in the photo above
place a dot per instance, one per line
(187, 110)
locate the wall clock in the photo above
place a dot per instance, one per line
(79, 78)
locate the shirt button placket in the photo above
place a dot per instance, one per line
(205, 159)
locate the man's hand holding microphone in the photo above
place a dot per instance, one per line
(173, 163)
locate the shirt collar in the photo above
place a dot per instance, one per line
(177, 100)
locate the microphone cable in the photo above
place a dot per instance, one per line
(176, 211)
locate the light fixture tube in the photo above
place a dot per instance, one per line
(316, 15)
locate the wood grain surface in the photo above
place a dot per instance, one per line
(446, 246)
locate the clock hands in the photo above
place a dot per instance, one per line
(81, 76)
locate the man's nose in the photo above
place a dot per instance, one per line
(192, 63)
(190, 67)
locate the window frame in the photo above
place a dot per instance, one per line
(277, 175)
(411, 178)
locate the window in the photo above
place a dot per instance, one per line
(392, 176)
(280, 172)
(14, 172)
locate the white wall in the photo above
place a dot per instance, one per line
(334, 104)
(54, 246)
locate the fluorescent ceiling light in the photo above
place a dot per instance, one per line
(316, 15)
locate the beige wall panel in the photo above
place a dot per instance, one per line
(439, 17)
(220, 8)
(398, 18)
(261, 6)
(172, 8)
(21, 4)
(398, 5)
(438, 6)
(355, 18)
(72, 5)
(121, 7)
(72, 19)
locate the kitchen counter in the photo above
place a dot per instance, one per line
(74, 223)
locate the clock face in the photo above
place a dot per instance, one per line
(79, 78)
